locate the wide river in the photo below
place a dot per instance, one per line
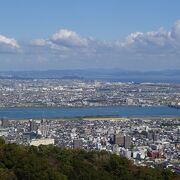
(122, 111)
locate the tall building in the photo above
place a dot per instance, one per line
(77, 144)
(150, 136)
(44, 128)
(32, 125)
(119, 139)
(127, 142)
(4, 122)
(155, 136)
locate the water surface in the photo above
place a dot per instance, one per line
(122, 111)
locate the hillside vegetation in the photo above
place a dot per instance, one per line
(49, 162)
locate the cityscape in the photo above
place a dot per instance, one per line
(89, 90)
(81, 93)
(149, 142)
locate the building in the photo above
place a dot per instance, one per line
(4, 122)
(43, 141)
(129, 102)
(77, 144)
(32, 125)
(154, 154)
(155, 136)
(44, 129)
(118, 139)
(121, 140)
(127, 142)
(150, 136)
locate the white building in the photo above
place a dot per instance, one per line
(44, 141)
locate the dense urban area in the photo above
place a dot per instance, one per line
(79, 93)
(147, 142)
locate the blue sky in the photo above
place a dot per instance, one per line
(66, 34)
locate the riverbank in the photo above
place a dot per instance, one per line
(102, 118)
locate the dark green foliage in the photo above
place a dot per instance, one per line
(53, 163)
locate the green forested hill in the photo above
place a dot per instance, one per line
(48, 162)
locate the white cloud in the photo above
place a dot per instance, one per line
(68, 47)
(8, 45)
(160, 42)
(154, 43)
(175, 32)
(69, 43)
(69, 39)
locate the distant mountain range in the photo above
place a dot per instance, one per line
(166, 76)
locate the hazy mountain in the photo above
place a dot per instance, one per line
(168, 76)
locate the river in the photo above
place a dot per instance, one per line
(121, 111)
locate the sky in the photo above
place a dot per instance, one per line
(65, 34)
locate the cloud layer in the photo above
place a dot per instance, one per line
(67, 47)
